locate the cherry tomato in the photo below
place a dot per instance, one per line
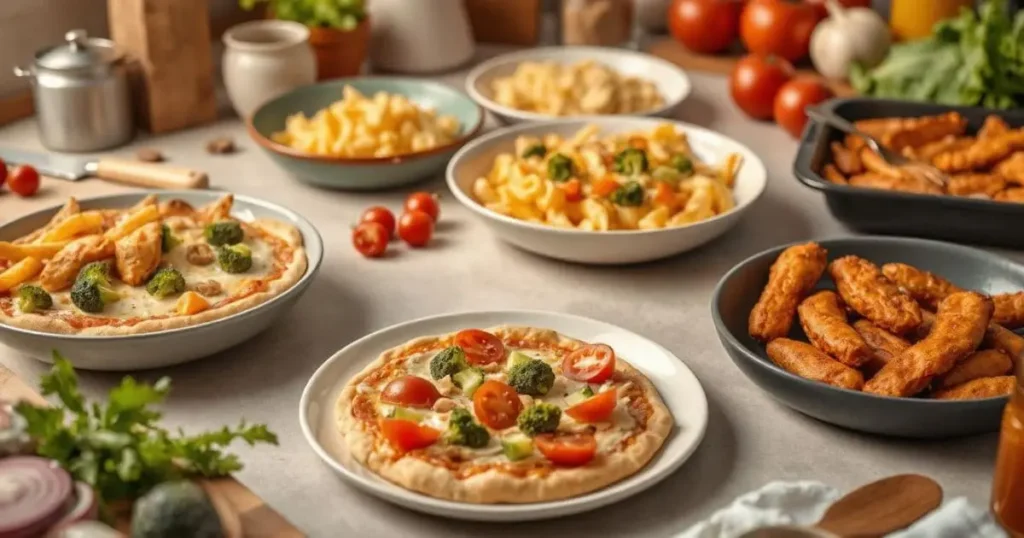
(756, 80)
(794, 98)
(382, 216)
(779, 27)
(3, 172)
(597, 408)
(496, 405)
(406, 435)
(410, 391)
(481, 347)
(573, 190)
(592, 363)
(415, 228)
(425, 202)
(705, 26)
(604, 186)
(370, 239)
(23, 180)
(567, 450)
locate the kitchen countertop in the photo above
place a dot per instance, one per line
(750, 440)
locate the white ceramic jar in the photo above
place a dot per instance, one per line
(264, 59)
(423, 36)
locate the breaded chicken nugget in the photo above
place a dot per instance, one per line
(922, 330)
(865, 289)
(984, 363)
(808, 362)
(791, 278)
(824, 323)
(975, 183)
(1009, 310)
(1015, 195)
(959, 327)
(884, 345)
(926, 288)
(1005, 340)
(986, 387)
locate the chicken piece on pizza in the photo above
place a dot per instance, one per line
(61, 270)
(217, 211)
(137, 255)
(176, 207)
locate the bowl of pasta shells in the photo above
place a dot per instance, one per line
(365, 133)
(607, 190)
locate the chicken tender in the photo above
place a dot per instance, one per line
(926, 288)
(1012, 168)
(61, 270)
(833, 175)
(824, 323)
(884, 345)
(922, 330)
(984, 153)
(809, 362)
(1005, 340)
(847, 160)
(984, 363)
(994, 126)
(902, 183)
(865, 289)
(975, 184)
(959, 327)
(1015, 195)
(790, 279)
(986, 387)
(137, 255)
(1009, 310)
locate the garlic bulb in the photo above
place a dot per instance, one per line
(847, 36)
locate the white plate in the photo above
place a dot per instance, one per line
(678, 386)
(672, 82)
(617, 246)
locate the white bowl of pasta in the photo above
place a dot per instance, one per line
(546, 83)
(606, 190)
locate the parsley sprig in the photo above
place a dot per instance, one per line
(119, 448)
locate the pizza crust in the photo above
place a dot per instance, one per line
(494, 486)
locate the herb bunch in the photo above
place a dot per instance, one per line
(340, 14)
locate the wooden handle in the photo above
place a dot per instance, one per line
(141, 174)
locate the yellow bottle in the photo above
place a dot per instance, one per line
(914, 19)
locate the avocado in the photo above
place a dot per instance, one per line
(579, 396)
(469, 380)
(517, 446)
(174, 510)
(516, 357)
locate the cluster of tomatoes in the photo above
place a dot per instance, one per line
(377, 225)
(765, 88)
(22, 180)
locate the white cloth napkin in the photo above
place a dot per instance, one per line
(803, 503)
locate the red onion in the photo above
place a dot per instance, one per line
(85, 506)
(34, 494)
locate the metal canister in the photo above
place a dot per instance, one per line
(81, 93)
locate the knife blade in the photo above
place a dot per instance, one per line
(137, 173)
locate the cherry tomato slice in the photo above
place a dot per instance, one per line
(597, 408)
(370, 239)
(567, 450)
(481, 347)
(592, 363)
(425, 202)
(415, 228)
(411, 391)
(573, 190)
(496, 405)
(406, 435)
(382, 216)
(23, 180)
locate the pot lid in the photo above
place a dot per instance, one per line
(79, 51)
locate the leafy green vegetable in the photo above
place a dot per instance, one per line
(559, 168)
(339, 14)
(119, 448)
(630, 193)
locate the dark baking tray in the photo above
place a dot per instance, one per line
(962, 220)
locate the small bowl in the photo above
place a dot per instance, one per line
(969, 268)
(370, 173)
(175, 346)
(615, 246)
(671, 81)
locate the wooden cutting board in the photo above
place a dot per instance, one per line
(244, 514)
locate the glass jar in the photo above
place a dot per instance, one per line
(607, 23)
(914, 19)
(1008, 486)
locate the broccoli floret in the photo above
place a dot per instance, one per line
(463, 430)
(167, 239)
(531, 377)
(536, 150)
(682, 163)
(92, 290)
(95, 271)
(166, 282)
(33, 298)
(559, 168)
(225, 232)
(539, 418)
(448, 361)
(631, 162)
(630, 193)
(234, 258)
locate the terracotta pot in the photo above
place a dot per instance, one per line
(340, 53)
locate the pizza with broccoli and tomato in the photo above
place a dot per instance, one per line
(507, 415)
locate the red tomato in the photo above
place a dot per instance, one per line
(592, 363)
(496, 405)
(3, 172)
(756, 80)
(705, 26)
(406, 435)
(604, 186)
(415, 228)
(481, 347)
(779, 27)
(425, 202)
(370, 239)
(597, 408)
(567, 450)
(24, 180)
(794, 98)
(664, 195)
(411, 391)
(381, 215)
(573, 190)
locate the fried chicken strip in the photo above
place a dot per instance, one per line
(824, 323)
(925, 287)
(973, 184)
(809, 362)
(1015, 195)
(986, 387)
(984, 153)
(846, 160)
(884, 345)
(1012, 168)
(959, 327)
(1005, 340)
(1009, 310)
(872, 180)
(984, 363)
(833, 175)
(994, 126)
(790, 279)
(865, 289)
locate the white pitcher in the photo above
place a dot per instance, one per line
(421, 36)
(264, 59)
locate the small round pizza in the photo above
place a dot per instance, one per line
(155, 266)
(506, 415)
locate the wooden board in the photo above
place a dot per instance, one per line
(502, 21)
(16, 106)
(247, 511)
(672, 51)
